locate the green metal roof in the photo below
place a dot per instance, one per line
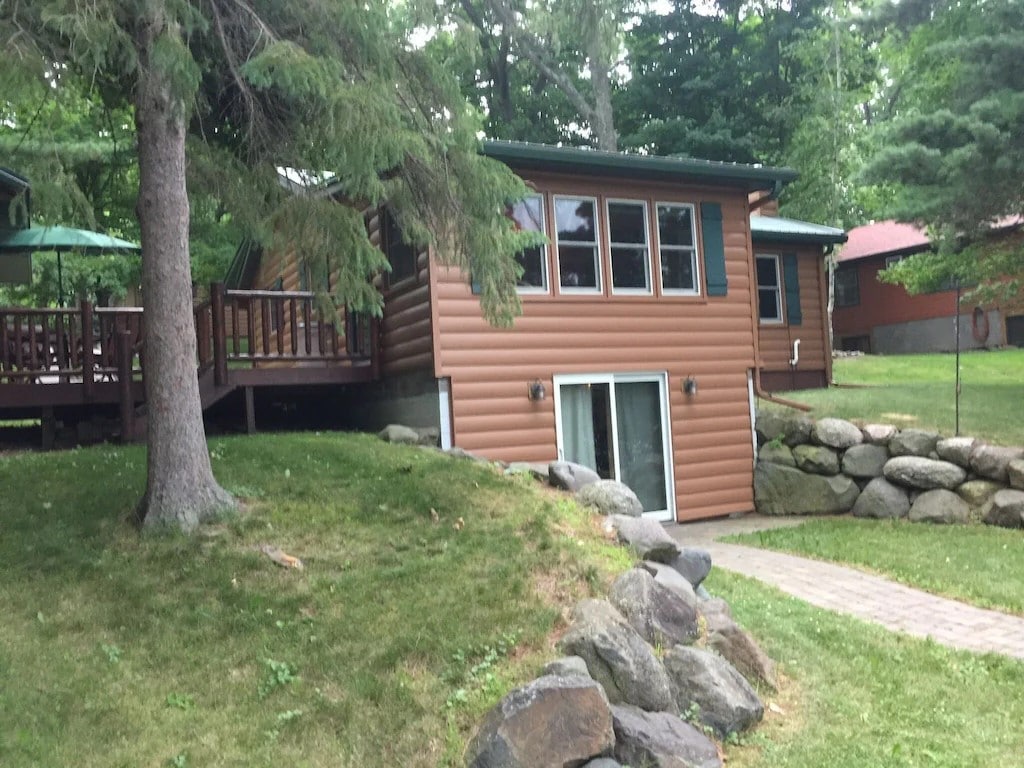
(775, 229)
(11, 181)
(593, 162)
(242, 270)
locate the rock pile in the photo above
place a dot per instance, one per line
(650, 675)
(833, 466)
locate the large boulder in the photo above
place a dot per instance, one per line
(1007, 509)
(865, 461)
(991, 461)
(647, 537)
(569, 476)
(922, 473)
(780, 490)
(956, 449)
(816, 459)
(913, 442)
(878, 434)
(399, 433)
(660, 740)
(673, 580)
(557, 721)
(776, 453)
(1015, 473)
(617, 657)
(792, 429)
(880, 498)
(939, 506)
(978, 493)
(567, 666)
(604, 762)
(705, 684)
(836, 433)
(694, 564)
(610, 497)
(734, 644)
(660, 615)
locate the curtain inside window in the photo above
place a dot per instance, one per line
(578, 425)
(641, 456)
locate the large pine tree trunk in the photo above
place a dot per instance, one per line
(180, 488)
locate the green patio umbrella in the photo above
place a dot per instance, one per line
(61, 239)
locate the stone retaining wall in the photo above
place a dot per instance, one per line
(831, 466)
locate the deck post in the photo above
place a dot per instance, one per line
(220, 355)
(124, 385)
(48, 426)
(250, 411)
(375, 347)
(87, 353)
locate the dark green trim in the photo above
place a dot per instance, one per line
(713, 240)
(791, 280)
(590, 162)
(804, 239)
(13, 181)
(775, 229)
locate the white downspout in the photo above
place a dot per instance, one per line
(796, 354)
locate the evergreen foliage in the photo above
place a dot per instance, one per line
(955, 146)
(331, 87)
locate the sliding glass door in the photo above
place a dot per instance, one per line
(617, 425)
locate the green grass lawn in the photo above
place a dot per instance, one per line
(117, 650)
(857, 696)
(919, 391)
(121, 650)
(978, 564)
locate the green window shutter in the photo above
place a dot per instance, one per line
(791, 279)
(714, 249)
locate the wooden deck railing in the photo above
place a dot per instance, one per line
(236, 329)
(43, 346)
(257, 329)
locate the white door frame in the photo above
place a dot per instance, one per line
(661, 378)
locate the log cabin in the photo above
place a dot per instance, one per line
(639, 348)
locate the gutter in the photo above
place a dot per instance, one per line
(772, 194)
(762, 395)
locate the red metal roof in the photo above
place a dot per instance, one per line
(881, 238)
(884, 238)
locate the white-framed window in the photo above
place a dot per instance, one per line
(629, 247)
(677, 249)
(528, 214)
(618, 425)
(576, 244)
(769, 289)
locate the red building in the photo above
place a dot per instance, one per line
(872, 316)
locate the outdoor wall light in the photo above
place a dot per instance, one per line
(690, 386)
(536, 390)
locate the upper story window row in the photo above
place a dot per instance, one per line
(621, 243)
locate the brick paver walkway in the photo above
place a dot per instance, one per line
(853, 592)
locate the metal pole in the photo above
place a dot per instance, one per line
(956, 327)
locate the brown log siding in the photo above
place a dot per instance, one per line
(711, 339)
(775, 341)
(406, 332)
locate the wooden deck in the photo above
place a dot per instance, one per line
(83, 359)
